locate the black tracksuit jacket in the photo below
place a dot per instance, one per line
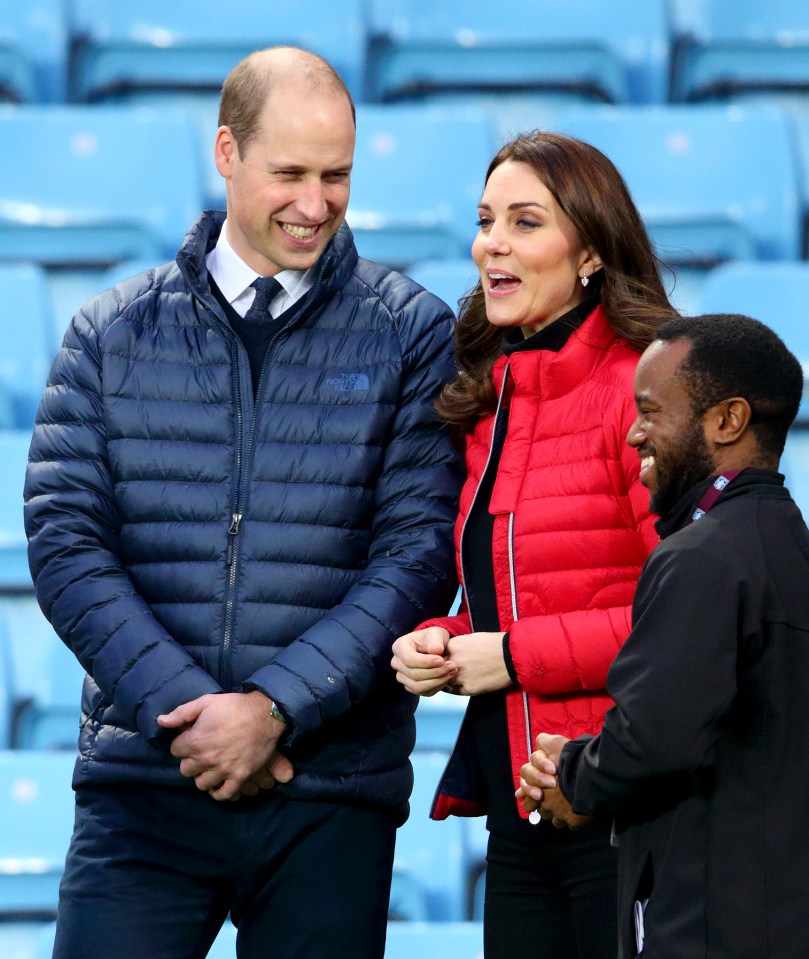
(704, 760)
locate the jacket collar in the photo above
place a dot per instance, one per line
(564, 370)
(552, 337)
(332, 271)
(680, 514)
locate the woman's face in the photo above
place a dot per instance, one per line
(527, 251)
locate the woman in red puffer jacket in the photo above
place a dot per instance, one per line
(553, 527)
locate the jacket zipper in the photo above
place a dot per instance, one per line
(233, 532)
(513, 585)
(480, 481)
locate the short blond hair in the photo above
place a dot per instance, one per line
(249, 84)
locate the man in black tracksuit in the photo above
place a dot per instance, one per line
(704, 760)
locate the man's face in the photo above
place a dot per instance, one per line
(669, 438)
(287, 190)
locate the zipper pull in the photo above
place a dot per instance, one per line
(233, 532)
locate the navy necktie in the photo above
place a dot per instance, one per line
(266, 287)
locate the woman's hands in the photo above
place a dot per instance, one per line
(429, 660)
(421, 662)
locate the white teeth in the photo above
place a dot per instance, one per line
(299, 232)
(500, 276)
(648, 461)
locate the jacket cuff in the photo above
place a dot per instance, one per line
(512, 672)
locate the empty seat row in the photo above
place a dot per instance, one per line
(98, 185)
(599, 50)
(100, 49)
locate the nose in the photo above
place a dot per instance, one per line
(636, 435)
(311, 200)
(494, 241)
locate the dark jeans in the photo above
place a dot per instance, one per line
(152, 873)
(551, 899)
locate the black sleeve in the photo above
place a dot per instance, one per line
(672, 682)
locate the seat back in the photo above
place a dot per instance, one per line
(47, 679)
(417, 178)
(26, 329)
(605, 50)
(129, 183)
(123, 48)
(712, 183)
(33, 51)
(36, 806)
(775, 293)
(722, 48)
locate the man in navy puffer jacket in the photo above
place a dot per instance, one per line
(235, 501)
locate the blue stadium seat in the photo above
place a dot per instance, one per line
(722, 48)
(417, 178)
(436, 940)
(33, 51)
(36, 808)
(26, 329)
(128, 183)
(47, 679)
(432, 853)
(121, 48)
(14, 574)
(775, 293)
(713, 183)
(602, 50)
(448, 279)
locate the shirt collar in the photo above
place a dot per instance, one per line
(233, 276)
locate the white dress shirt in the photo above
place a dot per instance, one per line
(233, 277)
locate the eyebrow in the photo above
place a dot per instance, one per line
(518, 205)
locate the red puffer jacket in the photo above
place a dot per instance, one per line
(571, 532)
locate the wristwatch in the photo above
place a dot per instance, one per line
(276, 713)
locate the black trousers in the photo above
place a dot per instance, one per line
(555, 898)
(152, 873)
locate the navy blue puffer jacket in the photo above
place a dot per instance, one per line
(184, 540)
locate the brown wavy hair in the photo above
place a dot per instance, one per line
(592, 193)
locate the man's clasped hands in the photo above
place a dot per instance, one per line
(539, 785)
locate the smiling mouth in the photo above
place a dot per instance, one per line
(299, 232)
(647, 469)
(501, 283)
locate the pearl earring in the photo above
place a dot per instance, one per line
(584, 278)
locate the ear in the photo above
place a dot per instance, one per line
(727, 422)
(590, 262)
(225, 152)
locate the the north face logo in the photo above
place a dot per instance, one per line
(349, 382)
